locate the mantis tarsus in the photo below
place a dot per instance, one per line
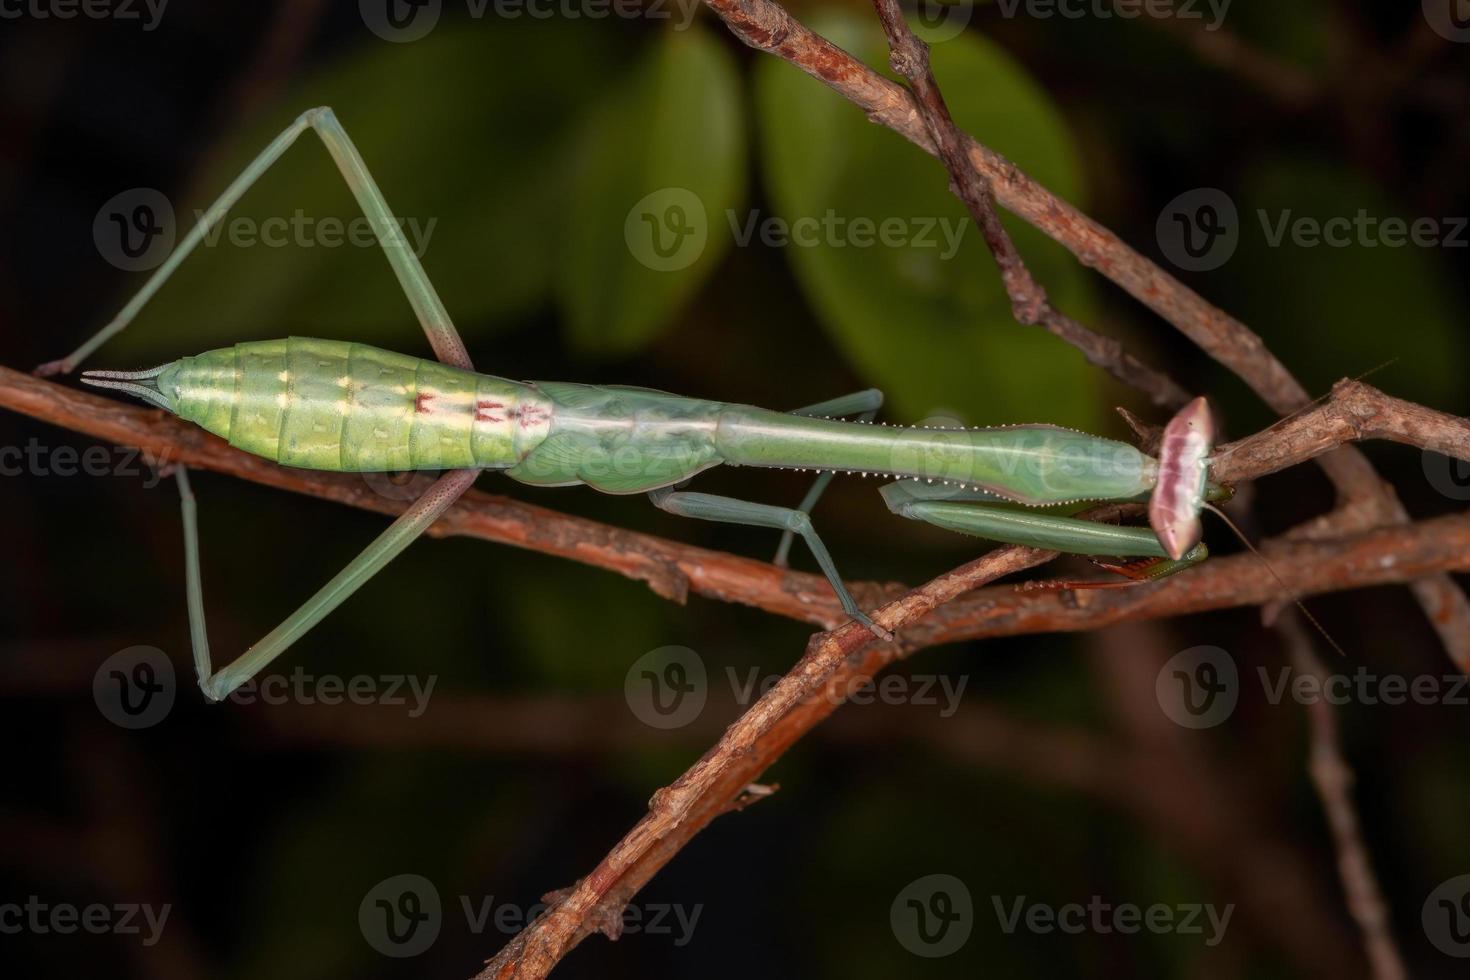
(341, 406)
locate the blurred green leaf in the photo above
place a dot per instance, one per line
(1372, 301)
(661, 160)
(476, 164)
(925, 319)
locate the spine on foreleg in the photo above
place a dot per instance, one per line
(1033, 464)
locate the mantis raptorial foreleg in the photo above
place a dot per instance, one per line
(978, 513)
(862, 404)
(728, 510)
(443, 337)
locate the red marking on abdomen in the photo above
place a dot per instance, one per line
(532, 415)
(485, 412)
(421, 403)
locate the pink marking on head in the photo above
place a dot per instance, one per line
(1184, 451)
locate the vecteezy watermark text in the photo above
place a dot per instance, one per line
(668, 229)
(135, 231)
(1215, 10)
(148, 12)
(1200, 230)
(42, 918)
(405, 21)
(402, 916)
(668, 688)
(36, 459)
(1098, 915)
(136, 688)
(1200, 687)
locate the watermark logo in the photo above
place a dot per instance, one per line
(1450, 19)
(146, 12)
(933, 916)
(667, 688)
(135, 688)
(400, 484)
(1446, 917)
(401, 21)
(1198, 687)
(1448, 475)
(1187, 10)
(937, 21)
(667, 230)
(1098, 915)
(404, 21)
(43, 918)
(1199, 230)
(401, 916)
(134, 229)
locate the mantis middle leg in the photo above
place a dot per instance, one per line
(443, 337)
(728, 510)
(862, 404)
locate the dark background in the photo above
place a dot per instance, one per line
(528, 141)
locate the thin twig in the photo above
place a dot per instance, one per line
(1029, 302)
(1352, 413)
(1333, 779)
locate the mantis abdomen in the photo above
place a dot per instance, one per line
(333, 405)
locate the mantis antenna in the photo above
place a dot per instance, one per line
(1279, 581)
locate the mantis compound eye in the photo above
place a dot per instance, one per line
(1174, 508)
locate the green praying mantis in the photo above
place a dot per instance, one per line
(335, 405)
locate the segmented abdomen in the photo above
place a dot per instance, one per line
(334, 405)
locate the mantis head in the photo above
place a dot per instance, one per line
(1184, 485)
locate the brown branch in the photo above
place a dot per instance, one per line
(1029, 302)
(834, 662)
(1352, 413)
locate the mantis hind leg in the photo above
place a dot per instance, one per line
(862, 404)
(728, 510)
(400, 534)
(416, 285)
(443, 337)
(1143, 558)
